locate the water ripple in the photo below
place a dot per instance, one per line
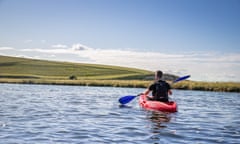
(72, 114)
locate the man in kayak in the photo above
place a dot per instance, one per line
(160, 89)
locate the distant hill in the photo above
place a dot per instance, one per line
(24, 68)
(32, 71)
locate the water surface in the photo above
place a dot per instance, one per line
(77, 114)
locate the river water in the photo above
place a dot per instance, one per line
(77, 114)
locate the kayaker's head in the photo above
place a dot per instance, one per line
(158, 75)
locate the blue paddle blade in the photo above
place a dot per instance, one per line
(181, 78)
(126, 99)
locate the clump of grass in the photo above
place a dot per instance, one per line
(73, 77)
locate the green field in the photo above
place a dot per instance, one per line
(22, 70)
(31, 71)
(12, 67)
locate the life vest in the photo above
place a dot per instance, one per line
(161, 93)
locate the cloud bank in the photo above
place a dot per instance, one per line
(202, 66)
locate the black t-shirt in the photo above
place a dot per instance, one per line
(160, 90)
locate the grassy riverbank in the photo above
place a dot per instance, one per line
(30, 71)
(209, 86)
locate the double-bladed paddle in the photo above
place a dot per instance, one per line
(127, 99)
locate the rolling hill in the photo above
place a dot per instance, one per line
(33, 71)
(23, 68)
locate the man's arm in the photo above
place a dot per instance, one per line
(170, 92)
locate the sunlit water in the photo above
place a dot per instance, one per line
(76, 114)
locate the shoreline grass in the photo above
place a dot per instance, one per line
(209, 86)
(109, 83)
(185, 85)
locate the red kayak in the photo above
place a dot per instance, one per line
(156, 105)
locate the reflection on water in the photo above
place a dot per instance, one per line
(158, 119)
(124, 106)
(159, 122)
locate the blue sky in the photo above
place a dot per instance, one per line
(200, 37)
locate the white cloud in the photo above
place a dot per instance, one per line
(201, 66)
(49, 51)
(79, 47)
(59, 46)
(6, 48)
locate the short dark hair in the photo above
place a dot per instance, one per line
(159, 74)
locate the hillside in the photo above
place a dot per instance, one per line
(32, 71)
(22, 68)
